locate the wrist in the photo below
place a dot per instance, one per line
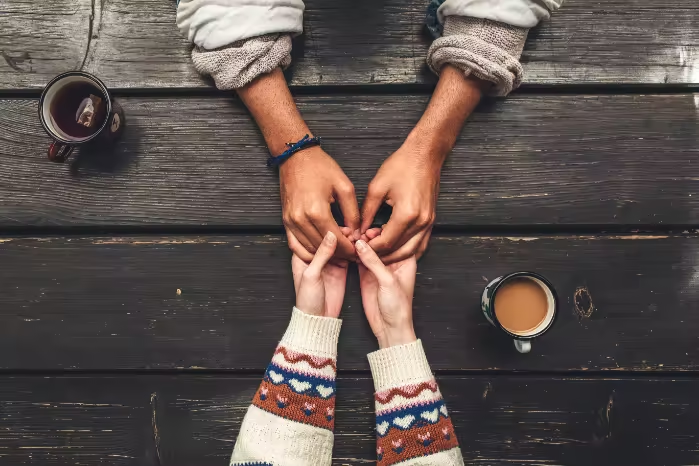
(427, 146)
(397, 336)
(269, 101)
(316, 311)
(298, 159)
(277, 143)
(293, 148)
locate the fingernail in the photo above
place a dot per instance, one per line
(357, 234)
(360, 245)
(330, 237)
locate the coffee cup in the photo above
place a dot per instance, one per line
(521, 304)
(63, 99)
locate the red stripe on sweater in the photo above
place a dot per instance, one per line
(313, 361)
(407, 391)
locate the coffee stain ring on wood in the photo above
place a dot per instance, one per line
(582, 300)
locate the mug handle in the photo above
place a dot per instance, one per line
(523, 346)
(59, 152)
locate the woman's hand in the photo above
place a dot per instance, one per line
(320, 285)
(387, 295)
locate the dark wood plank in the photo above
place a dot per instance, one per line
(135, 43)
(39, 40)
(498, 419)
(76, 421)
(118, 297)
(603, 160)
(617, 41)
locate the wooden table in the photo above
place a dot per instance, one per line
(589, 175)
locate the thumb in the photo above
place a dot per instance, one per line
(372, 202)
(350, 209)
(323, 254)
(372, 262)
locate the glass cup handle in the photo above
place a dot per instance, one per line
(59, 152)
(523, 346)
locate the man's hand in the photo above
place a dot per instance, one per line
(320, 285)
(309, 182)
(409, 182)
(409, 179)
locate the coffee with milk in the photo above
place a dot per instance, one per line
(520, 305)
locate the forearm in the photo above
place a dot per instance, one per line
(272, 106)
(292, 417)
(310, 180)
(412, 421)
(453, 100)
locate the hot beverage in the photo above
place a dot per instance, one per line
(68, 109)
(520, 305)
(75, 109)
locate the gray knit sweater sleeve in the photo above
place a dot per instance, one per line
(237, 64)
(487, 49)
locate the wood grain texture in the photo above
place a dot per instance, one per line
(626, 303)
(75, 421)
(40, 39)
(575, 160)
(195, 420)
(617, 41)
(135, 43)
(499, 420)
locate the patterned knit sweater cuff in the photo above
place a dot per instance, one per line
(236, 65)
(292, 417)
(486, 49)
(413, 426)
(397, 366)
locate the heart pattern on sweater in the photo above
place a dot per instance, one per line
(276, 378)
(299, 387)
(443, 410)
(405, 421)
(382, 428)
(324, 391)
(432, 416)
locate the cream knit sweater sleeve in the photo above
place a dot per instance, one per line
(292, 416)
(413, 426)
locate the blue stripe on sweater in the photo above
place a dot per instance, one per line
(408, 418)
(300, 383)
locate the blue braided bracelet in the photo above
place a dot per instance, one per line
(293, 148)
